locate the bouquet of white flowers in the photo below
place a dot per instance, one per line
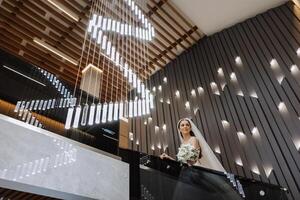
(187, 152)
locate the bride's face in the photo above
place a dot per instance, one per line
(185, 127)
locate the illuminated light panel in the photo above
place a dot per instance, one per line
(131, 136)
(69, 118)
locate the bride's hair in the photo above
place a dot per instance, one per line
(178, 126)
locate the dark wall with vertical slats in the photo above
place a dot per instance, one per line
(250, 118)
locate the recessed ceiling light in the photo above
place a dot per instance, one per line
(55, 51)
(64, 9)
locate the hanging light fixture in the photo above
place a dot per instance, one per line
(114, 29)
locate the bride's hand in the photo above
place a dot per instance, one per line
(190, 162)
(163, 156)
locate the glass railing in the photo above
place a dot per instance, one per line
(154, 179)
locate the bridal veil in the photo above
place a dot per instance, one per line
(208, 159)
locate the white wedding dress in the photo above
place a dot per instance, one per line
(208, 159)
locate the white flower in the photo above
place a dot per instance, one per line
(187, 152)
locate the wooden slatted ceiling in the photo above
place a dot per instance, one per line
(23, 20)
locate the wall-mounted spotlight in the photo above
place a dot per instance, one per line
(223, 86)
(274, 63)
(298, 52)
(294, 69)
(152, 147)
(214, 88)
(253, 94)
(297, 144)
(165, 79)
(159, 88)
(282, 107)
(239, 162)
(164, 127)
(177, 93)
(225, 124)
(238, 61)
(154, 89)
(255, 170)
(159, 146)
(217, 150)
(156, 129)
(200, 90)
(195, 110)
(187, 105)
(241, 136)
(255, 132)
(193, 93)
(220, 72)
(240, 93)
(233, 77)
(268, 171)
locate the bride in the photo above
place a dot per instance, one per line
(189, 134)
(193, 183)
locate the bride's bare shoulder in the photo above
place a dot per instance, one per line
(194, 141)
